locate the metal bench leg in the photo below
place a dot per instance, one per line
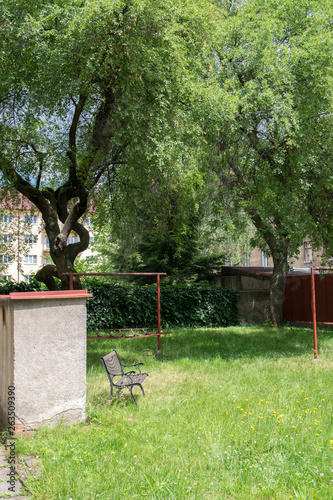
(130, 389)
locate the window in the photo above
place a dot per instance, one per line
(48, 262)
(91, 260)
(28, 278)
(264, 259)
(6, 277)
(47, 243)
(88, 221)
(7, 218)
(72, 239)
(30, 259)
(92, 239)
(307, 252)
(6, 259)
(246, 256)
(31, 238)
(6, 238)
(30, 219)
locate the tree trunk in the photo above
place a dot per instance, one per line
(54, 207)
(279, 247)
(63, 264)
(63, 256)
(276, 291)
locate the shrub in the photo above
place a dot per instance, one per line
(7, 287)
(119, 306)
(129, 306)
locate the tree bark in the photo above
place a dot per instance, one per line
(54, 207)
(276, 291)
(279, 251)
(46, 275)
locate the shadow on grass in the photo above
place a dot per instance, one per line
(226, 343)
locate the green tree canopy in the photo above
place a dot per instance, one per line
(90, 86)
(275, 60)
(164, 224)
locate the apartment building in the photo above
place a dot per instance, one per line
(307, 257)
(24, 245)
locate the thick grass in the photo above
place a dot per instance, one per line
(233, 413)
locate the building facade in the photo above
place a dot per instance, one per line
(307, 257)
(24, 245)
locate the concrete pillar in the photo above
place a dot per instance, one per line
(43, 358)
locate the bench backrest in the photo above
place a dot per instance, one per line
(112, 363)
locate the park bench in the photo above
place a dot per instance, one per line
(120, 379)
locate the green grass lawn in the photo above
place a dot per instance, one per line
(232, 413)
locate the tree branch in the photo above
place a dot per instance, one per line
(71, 153)
(75, 248)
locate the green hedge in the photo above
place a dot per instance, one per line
(118, 306)
(7, 287)
(128, 306)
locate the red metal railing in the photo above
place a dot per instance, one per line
(158, 275)
(313, 303)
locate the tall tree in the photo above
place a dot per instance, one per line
(173, 220)
(275, 60)
(88, 86)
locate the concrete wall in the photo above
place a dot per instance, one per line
(253, 306)
(45, 357)
(253, 300)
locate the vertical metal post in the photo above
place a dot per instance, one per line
(159, 311)
(314, 315)
(71, 282)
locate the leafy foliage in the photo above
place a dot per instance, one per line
(158, 229)
(178, 224)
(275, 59)
(88, 87)
(115, 305)
(118, 306)
(7, 287)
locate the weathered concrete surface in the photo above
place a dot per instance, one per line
(6, 355)
(48, 367)
(253, 302)
(50, 360)
(253, 306)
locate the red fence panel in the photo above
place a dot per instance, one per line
(297, 298)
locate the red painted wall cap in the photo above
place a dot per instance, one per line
(56, 294)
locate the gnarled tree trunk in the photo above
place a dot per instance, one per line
(54, 208)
